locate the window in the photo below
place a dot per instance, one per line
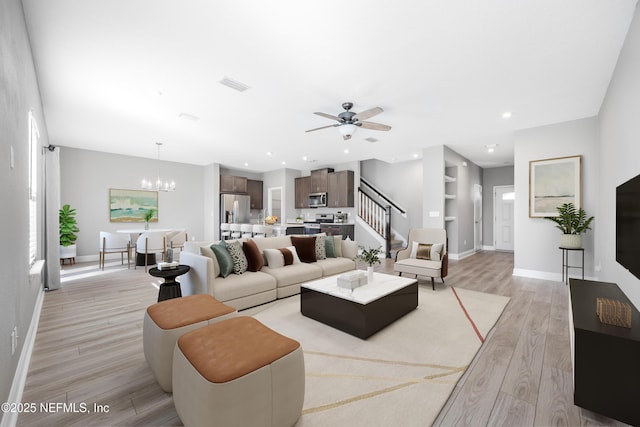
(34, 136)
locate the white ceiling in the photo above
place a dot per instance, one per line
(443, 71)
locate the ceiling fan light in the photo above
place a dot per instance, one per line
(347, 129)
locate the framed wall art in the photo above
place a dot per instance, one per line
(131, 205)
(553, 182)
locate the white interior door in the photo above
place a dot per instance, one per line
(503, 200)
(477, 217)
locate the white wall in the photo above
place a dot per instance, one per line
(18, 94)
(87, 176)
(433, 187)
(537, 239)
(619, 156)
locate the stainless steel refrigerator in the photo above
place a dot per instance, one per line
(234, 209)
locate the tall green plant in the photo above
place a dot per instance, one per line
(68, 227)
(571, 220)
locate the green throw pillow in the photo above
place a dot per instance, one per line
(329, 248)
(224, 258)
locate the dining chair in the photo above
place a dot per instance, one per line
(111, 243)
(177, 239)
(150, 242)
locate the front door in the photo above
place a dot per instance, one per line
(503, 200)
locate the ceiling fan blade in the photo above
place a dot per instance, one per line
(364, 115)
(374, 126)
(328, 116)
(323, 127)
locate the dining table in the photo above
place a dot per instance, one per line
(133, 237)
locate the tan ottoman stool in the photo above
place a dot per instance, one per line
(238, 372)
(166, 321)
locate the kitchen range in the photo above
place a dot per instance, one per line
(329, 223)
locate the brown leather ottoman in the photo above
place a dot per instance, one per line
(238, 372)
(166, 321)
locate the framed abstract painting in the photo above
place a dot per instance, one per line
(553, 182)
(131, 205)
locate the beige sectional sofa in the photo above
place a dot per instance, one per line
(253, 288)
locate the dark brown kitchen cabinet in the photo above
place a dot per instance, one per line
(319, 179)
(254, 188)
(233, 184)
(340, 189)
(303, 185)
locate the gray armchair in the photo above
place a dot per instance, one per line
(425, 254)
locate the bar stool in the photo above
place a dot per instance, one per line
(246, 229)
(225, 231)
(259, 230)
(236, 231)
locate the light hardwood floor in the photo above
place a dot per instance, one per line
(89, 350)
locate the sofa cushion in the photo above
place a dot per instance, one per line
(255, 261)
(240, 263)
(320, 249)
(293, 274)
(224, 258)
(208, 252)
(331, 266)
(277, 258)
(420, 252)
(241, 285)
(329, 247)
(349, 249)
(306, 247)
(337, 246)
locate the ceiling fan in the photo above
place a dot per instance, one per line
(349, 121)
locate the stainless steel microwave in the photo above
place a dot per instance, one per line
(317, 200)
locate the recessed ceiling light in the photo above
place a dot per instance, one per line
(506, 114)
(284, 163)
(490, 147)
(304, 158)
(190, 117)
(269, 153)
(246, 164)
(416, 155)
(464, 164)
(346, 151)
(234, 84)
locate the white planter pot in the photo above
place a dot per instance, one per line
(67, 251)
(571, 241)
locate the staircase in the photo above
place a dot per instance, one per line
(376, 213)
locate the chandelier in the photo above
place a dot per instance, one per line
(159, 185)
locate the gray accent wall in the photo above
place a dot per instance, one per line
(619, 157)
(87, 176)
(536, 239)
(19, 94)
(492, 177)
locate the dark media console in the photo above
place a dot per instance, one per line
(606, 358)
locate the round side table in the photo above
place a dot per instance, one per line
(170, 288)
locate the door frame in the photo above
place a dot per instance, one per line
(495, 216)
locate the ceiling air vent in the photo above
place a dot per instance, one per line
(371, 139)
(234, 84)
(187, 116)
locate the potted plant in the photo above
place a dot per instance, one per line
(370, 256)
(573, 223)
(148, 215)
(68, 230)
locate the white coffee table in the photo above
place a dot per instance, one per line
(363, 311)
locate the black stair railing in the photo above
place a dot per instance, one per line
(378, 217)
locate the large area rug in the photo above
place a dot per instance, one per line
(402, 375)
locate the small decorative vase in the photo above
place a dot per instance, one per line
(370, 274)
(571, 241)
(146, 225)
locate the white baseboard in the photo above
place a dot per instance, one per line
(488, 248)
(535, 274)
(9, 419)
(462, 255)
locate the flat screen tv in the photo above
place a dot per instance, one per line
(628, 225)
